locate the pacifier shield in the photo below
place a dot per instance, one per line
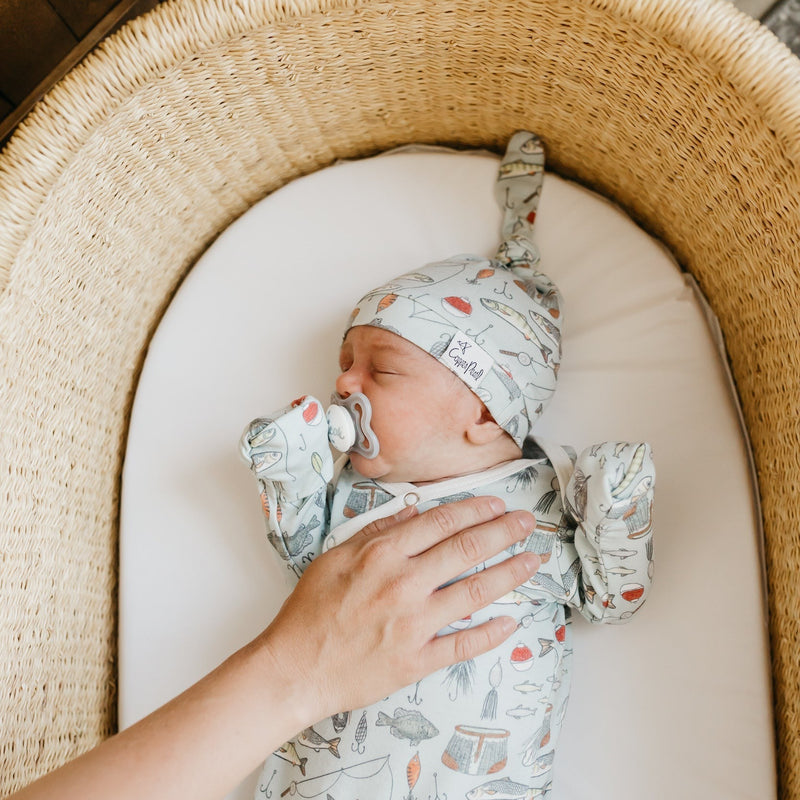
(349, 428)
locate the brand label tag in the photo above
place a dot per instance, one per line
(467, 359)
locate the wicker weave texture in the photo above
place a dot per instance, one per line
(684, 111)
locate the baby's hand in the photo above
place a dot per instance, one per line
(612, 488)
(255, 438)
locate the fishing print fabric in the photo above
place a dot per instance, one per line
(487, 727)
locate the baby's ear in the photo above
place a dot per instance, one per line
(484, 429)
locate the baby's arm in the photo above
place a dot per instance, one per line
(610, 495)
(290, 457)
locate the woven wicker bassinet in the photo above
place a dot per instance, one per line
(686, 113)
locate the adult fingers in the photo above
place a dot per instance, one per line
(385, 523)
(440, 523)
(471, 546)
(464, 645)
(477, 591)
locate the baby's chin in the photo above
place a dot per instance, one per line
(377, 469)
(371, 467)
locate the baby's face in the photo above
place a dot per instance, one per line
(420, 410)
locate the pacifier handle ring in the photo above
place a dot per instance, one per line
(359, 417)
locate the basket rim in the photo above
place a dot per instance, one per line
(742, 50)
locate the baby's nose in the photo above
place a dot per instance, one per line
(347, 383)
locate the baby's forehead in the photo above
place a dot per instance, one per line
(371, 340)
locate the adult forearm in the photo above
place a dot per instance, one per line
(198, 745)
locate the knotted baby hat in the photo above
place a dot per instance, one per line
(494, 322)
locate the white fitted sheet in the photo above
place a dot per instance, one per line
(683, 692)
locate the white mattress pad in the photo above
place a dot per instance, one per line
(675, 704)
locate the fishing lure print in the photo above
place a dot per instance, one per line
(489, 710)
(386, 301)
(459, 678)
(361, 734)
(539, 739)
(481, 274)
(412, 774)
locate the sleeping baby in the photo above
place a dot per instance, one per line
(444, 370)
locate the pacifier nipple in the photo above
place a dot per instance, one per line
(349, 427)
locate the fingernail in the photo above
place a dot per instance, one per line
(497, 505)
(405, 513)
(532, 562)
(508, 624)
(526, 521)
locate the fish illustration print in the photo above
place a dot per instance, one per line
(580, 490)
(288, 752)
(290, 547)
(626, 505)
(262, 432)
(520, 712)
(340, 721)
(516, 320)
(542, 322)
(633, 470)
(618, 571)
(504, 789)
(263, 461)
(311, 739)
(620, 553)
(543, 764)
(515, 169)
(298, 541)
(409, 725)
(528, 687)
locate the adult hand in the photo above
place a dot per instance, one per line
(362, 621)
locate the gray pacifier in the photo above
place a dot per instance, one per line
(349, 429)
